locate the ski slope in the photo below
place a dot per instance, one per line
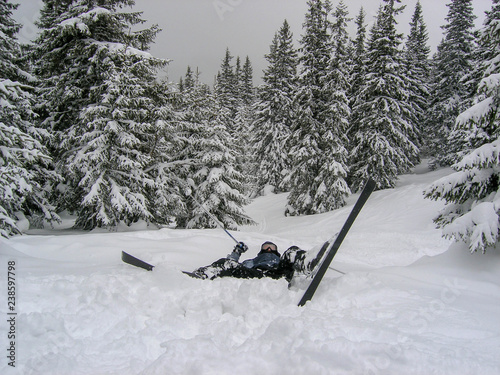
(410, 302)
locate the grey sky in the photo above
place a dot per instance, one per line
(197, 32)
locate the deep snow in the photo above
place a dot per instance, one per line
(410, 302)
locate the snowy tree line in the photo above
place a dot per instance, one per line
(86, 125)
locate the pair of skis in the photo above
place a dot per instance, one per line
(327, 252)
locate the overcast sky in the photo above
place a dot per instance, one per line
(197, 32)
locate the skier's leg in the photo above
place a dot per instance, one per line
(295, 259)
(213, 270)
(225, 267)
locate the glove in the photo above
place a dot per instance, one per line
(240, 248)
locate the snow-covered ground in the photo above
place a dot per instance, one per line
(410, 302)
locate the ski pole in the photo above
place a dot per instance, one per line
(215, 219)
(343, 273)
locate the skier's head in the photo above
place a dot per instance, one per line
(269, 247)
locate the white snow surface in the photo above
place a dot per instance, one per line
(410, 302)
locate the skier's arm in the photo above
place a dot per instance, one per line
(239, 249)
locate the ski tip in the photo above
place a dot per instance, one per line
(130, 259)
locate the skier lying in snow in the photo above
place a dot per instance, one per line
(267, 263)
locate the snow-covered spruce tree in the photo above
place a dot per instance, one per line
(62, 90)
(167, 198)
(247, 92)
(339, 80)
(358, 72)
(383, 125)
(113, 142)
(449, 92)
(245, 100)
(358, 58)
(24, 161)
(237, 72)
(473, 191)
(234, 115)
(274, 112)
(418, 68)
(196, 101)
(227, 93)
(243, 120)
(95, 85)
(209, 161)
(317, 150)
(226, 86)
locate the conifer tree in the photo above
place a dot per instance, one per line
(358, 73)
(472, 193)
(247, 95)
(96, 86)
(449, 93)
(238, 73)
(234, 116)
(166, 198)
(358, 60)
(208, 161)
(218, 180)
(274, 112)
(243, 121)
(226, 87)
(319, 157)
(197, 102)
(339, 79)
(25, 165)
(418, 68)
(112, 145)
(383, 126)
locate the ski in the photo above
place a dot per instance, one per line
(333, 248)
(127, 258)
(136, 262)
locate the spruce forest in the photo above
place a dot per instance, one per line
(88, 127)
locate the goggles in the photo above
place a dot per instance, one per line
(269, 247)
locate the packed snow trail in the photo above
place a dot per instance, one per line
(411, 302)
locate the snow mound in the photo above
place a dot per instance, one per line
(409, 302)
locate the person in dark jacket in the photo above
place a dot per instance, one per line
(268, 263)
